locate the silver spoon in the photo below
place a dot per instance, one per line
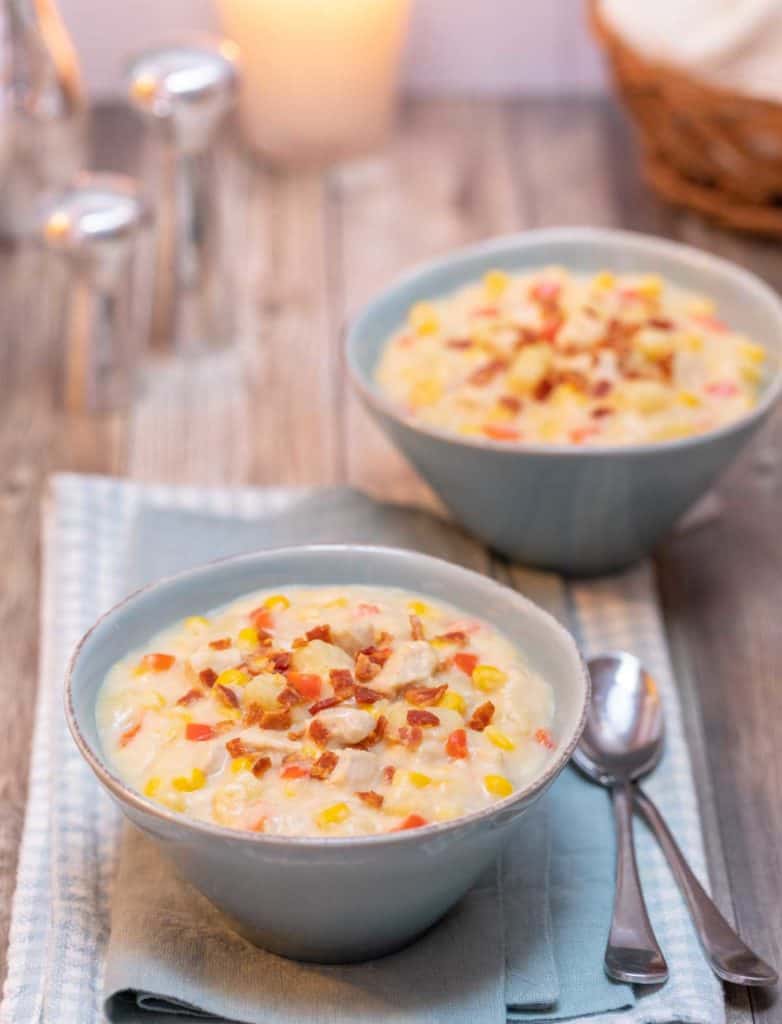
(623, 741)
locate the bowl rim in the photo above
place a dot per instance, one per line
(126, 795)
(629, 241)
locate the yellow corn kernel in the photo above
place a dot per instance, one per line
(290, 789)
(690, 399)
(564, 394)
(418, 779)
(153, 701)
(196, 781)
(751, 374)
(195, 623)
(470, 430)
(181, 715)
(498, 785)
(333, 815)
(495, 283)
(338, 602)
(672, 432)
(500, 414)
(453, 701)
(423, 318)
(418, 608)
(692, 342)
(152, 786)
(604, 280)
(233, 677)
(488, 677)
(650, 286)
(277, 602)
(425, 392)
(499, 739)
(248, 638)
(753, 353)
(241, 764)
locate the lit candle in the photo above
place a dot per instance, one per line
(319, 76)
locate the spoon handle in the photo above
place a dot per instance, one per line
(730, 958)
(632, 953)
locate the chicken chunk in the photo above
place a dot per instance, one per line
(360, 635)
(411, 662)
(356, 769)
(347, 725)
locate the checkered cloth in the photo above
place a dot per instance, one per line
(69, 847)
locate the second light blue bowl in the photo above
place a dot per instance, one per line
(580, 511)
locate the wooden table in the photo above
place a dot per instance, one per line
(311, 249)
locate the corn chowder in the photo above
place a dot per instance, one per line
(327, 712)
(552, 357)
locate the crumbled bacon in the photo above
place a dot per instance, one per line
(454, 636)
(543, 389)
(320, 633)
(365, 695)
(299, 642)
(325, 765)
(224, 725)
(601, 411)
(256, 664)
(374, 737)
(129, 734)
(425, 696)
(296, 734)
(410, 736)
(261, 767)
(280, 661)
(481, 716)
(416, 628)
(208, 676)
(511, 403)
(289, 697)
(341, 680)
(601, 388)
(190, 698)
(388, 773)
(321, 705)
(377, 655)
(226, 695)
(459, 344)
(276, 720)
(319, 733)
(485, 374)
(366, 670)
(661, 323)
(220, 645)
(238, 748)
(420, 717)
(371, 798)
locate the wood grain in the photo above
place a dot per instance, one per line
(308, 251)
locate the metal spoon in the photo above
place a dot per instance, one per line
(623, 740)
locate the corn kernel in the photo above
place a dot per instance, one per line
(488, 678)
(338, 602)
(418, 608)
(241, 764)
(333, 815)
(424, 319)
(690, 399)
(277, 602)
(196, 781)
(418, 779)
(233, 677)
(499, 739)
(753, 353)
(152, 786)
(453, 701)
(692, 342)
(650, 286)
(751, 374)
(290, 789)
(196, 623)
(153, 701)
(425, 392)
(498, 785)
(470, 430)
(604, 280)
(496, 282)
(248, 638)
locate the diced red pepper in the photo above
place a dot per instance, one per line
(466, 662)
(497, 432)
(711, 323)
(156, 662)
(308, 685)
(456, 744)
(580, 434)
(294, 771)
(367, 609)
(261, 618)
(545, 291)
(411, 821)
(543, 737)
(198, 731)
(129, 734)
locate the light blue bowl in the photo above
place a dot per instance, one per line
(341, 899)
(577, 510)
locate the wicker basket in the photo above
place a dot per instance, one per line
(704, 147)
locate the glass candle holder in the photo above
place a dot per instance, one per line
(319, 76)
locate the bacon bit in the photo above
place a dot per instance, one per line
(299, 642)
(601, 388)
(722, 389)
(482, 716)
(261, 618)
(320, 633)
(325, 765)
(545, 291)
(129, 734)
(498, 432)
(364, 609)
(424, 696)
(543, 737)
(190, 698)
(466, 662)
(276, 720)
(198, 732)
(374, 737)
(454, 636)
(543, 389)
(220, 645)
(294, 771)
(256, 664)
(237, 747)
(456, 744)
(411, 821)
(364, 695)
(296, 734)
(341, 680)
(377, 655)
(280, 661)
(224, 725)
(321, 705)
(410, 736)
(307, 685)
(511, 403)
(371, 798)
(601, 411)
(208, 676)
(261, 767)
(459, 343)
(366, 670)
(388, 773)
(485, 374)
(289, 697)
(226, 695)
(419, 717)
(319, 733)
(383, 638)
(661, 323)
(156, 662)
(550, 331)
(416, 628)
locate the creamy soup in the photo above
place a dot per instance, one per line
(552, 357)
(328, 711)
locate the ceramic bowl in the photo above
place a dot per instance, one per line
(329, 899)
(578, 510)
